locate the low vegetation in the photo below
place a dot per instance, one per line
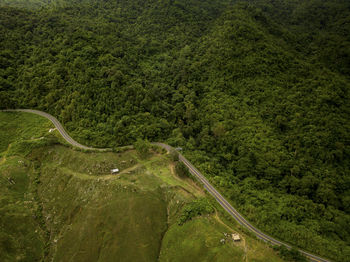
(142, 147)
(61, 204)
(196, 208)
(181, 170)
(290, 254)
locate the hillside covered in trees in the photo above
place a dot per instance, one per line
(256, 92)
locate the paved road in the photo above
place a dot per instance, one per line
(59, 127)
(233, 212)
(219, 198)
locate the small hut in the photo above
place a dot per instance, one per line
(236, 237)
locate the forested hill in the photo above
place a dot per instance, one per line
(256, 92)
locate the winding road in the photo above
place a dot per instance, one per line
(58, 126)
(219, 198)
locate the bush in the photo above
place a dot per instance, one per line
(25, 147)
(182, 170)
(290, 254)
(142, 147)
(174, 155)
(121, 149)
(198, 207)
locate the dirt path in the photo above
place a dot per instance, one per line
(243, 242)
(102, 177)
(222, 222)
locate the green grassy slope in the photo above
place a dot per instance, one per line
(17, 127)
(58, 204)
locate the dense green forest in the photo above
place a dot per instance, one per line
(256, 92)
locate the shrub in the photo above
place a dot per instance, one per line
(174, 155)
(290, 254)
(142, 147)
(198, 207)
(182, 170)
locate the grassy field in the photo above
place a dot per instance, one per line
(60, 204)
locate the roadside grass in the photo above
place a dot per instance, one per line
(90, 163)
(17, 126)
(61, 204)
(161, 167)
(198, 240)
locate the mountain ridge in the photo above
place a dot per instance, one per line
(256, 94)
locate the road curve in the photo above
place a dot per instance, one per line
(59, 127)
(219, 198)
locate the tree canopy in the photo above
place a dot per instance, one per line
(256, 92)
